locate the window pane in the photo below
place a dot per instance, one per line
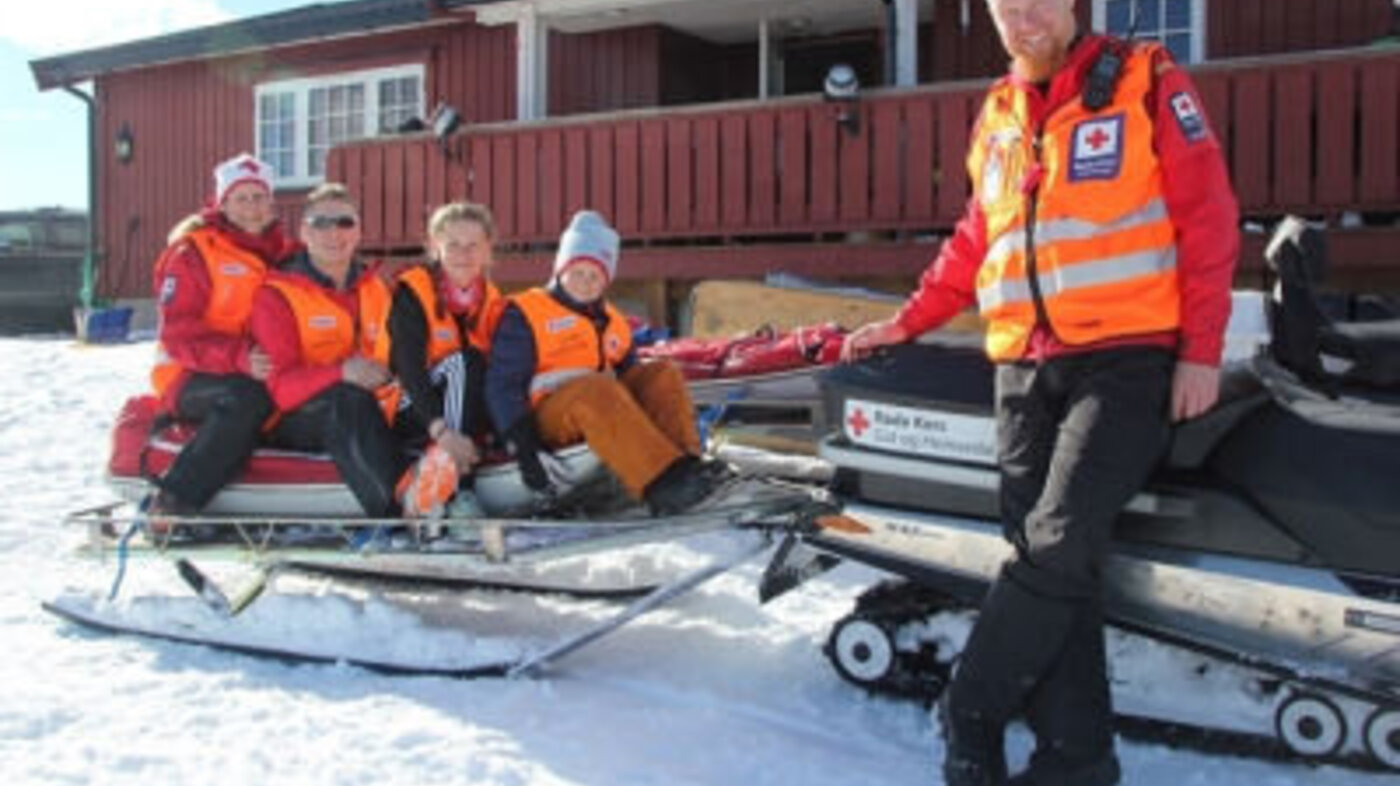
(357, 98)
(1116, 16)
(1179, 14)
(275, 127)
(1149, 18)
(318, 101)
(1179, 44)
(316, 162)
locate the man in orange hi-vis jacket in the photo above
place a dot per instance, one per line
(1099, 245)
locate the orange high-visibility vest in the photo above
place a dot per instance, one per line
(567, 344)
(1094, 242)
(234, 277)
(444, 334)
(329, 334)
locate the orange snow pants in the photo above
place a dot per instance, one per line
(637, 424)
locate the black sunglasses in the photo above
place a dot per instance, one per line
(326, 222)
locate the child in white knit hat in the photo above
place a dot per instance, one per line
(563, 370)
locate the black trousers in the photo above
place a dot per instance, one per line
(1078, 437)
(229, 410)
(345, 421)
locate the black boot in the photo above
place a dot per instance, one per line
(679, 487)
(974, 749)
(1071, 713)
(1018, 635)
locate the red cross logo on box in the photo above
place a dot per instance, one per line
(857, 423)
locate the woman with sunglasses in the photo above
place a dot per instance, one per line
(321, 319)
(440, 327)
(207, 371)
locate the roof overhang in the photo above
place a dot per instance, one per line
(718, 21)
(312, 23)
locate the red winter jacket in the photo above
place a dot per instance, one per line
(182, 290)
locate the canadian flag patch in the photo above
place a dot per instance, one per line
(1097, 151)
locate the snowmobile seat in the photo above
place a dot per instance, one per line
(1193, 440)
(1310, 336)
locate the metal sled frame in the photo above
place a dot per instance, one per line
(350, 545)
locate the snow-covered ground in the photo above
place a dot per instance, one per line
(716, 690)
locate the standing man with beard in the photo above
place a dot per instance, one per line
(1099, 244)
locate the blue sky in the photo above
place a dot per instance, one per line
(43, 136)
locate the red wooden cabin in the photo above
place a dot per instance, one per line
(696, 125)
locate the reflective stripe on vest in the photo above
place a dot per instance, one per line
(567, 344)
(234, 277)
(1104, 247)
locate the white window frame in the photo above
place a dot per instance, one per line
(301, 91)
(1198, 25)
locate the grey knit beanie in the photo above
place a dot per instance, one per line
(588, 236)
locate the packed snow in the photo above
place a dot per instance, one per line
(714, 689)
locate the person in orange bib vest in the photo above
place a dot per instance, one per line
(562, 370)
(440, 327)
(319, 319)
(207, 370)
(1099, 245)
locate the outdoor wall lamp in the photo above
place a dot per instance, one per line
(445, 120)
(124, 146)
(843, 87)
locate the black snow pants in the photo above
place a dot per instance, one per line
(229, 410)
(1078, 436)
(345, 421)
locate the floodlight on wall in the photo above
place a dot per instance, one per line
(445, 120)
(124, 146)
(843, 88)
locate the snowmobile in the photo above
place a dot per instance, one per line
(1262, 560)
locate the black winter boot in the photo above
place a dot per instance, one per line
(1071, 713)
(679, 487)
(1018, 635)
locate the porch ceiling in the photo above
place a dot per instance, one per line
(719, 21)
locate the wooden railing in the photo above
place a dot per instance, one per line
(1316, 134)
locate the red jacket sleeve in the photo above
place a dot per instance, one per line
(291, 382)
(182, 296)
(1202, 206)
(949, 285)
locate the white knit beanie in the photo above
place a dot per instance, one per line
(588, 237)
(242, 168)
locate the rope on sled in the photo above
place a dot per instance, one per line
(122, 553)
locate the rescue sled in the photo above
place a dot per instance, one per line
(289, 513)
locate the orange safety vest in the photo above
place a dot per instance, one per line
(1095, 235)
(567, 344)
(234, 277)
(444, 334)
(329, 334)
